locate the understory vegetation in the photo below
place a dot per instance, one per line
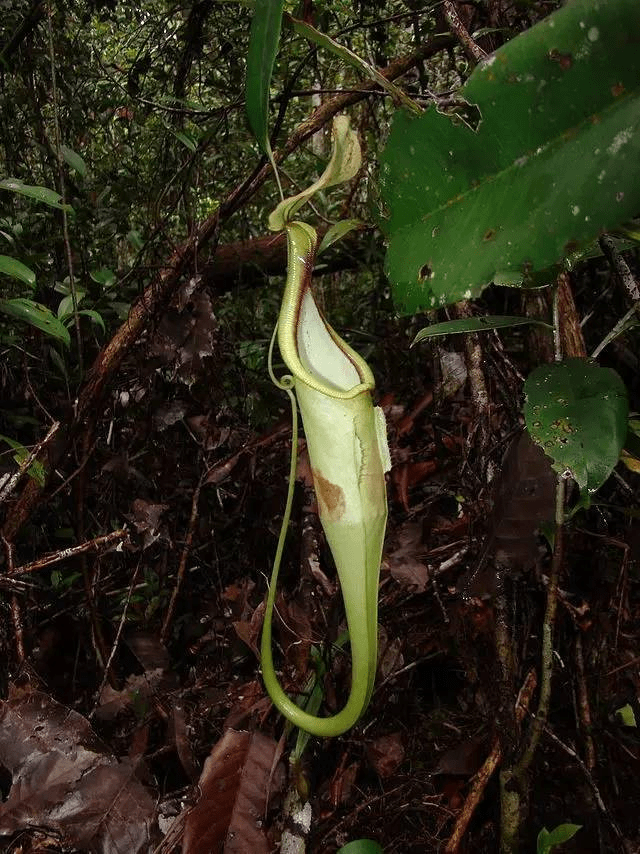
(485, 267)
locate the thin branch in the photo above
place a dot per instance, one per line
(584, 707)
(97, 544)
(630, 284)
(7, 488)
(26, 27)
(472, 50)
(166, 625)
(485, 773)
(546, 668)
(620, 266)
(114, 648)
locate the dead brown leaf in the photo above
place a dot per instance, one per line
(464, 759)
(234, 783)
(146, 519)
(386, 754)
(410, 573)
(186, 335)
(403, 564)
(63, 778)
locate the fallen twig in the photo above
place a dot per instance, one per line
(10, 484)
(166, 625)
(97, 544)
(485, 773)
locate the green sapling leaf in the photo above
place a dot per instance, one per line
(577, 412)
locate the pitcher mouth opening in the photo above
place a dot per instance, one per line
(313, 351)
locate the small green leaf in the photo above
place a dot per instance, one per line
(577, 412)
(474, 324)
(261, 57)
(36, 315)
(135, 239)
(351, 58)
(186, 140)
(632, 232)
(339, 230)
(627, 716)
(94, 316)
(547, 840)
(36, 469)
(632, 443)
(104, 276)
(361, 846)
(40, 194)
(17, 270)
(343, 165)
(74, 160)
(65, 308)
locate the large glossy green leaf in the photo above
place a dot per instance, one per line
(40, 194)
(577, 412)
(17, 270)
(36, 315)
(551, 164)
(263, 47)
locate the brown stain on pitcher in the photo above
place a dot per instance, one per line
(330, 496)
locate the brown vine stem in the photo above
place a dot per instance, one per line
(98, 544)
(584, 707)
(546, 670)
(485, 773)
(513, 779)
(473, 51)
(474, 359)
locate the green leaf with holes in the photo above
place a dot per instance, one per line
(548, 168)
(577, 412)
